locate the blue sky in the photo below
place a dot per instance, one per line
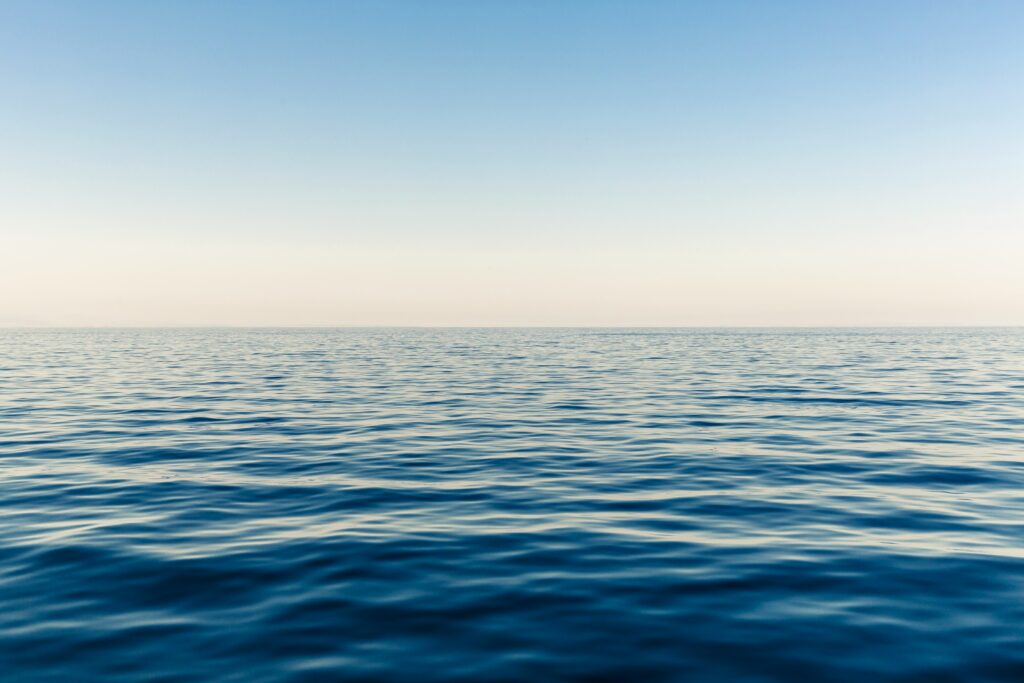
(498, 162)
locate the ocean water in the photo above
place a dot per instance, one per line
(512, 505)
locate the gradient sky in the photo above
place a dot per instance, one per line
(489, 162)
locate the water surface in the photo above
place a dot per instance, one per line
(512, 505)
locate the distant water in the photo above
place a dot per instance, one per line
(512, 505)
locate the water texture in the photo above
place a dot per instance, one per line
(512, 505)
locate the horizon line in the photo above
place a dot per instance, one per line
(498, 327)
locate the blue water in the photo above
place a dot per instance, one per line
(512, 505)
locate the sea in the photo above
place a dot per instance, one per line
(693, 505)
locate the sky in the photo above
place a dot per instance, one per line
(500, 162)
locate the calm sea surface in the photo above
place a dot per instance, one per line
(512, 505)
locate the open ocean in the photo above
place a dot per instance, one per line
(512, 505)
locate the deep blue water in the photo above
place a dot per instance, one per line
(512, 505)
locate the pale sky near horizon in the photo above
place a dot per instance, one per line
(500, 162)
